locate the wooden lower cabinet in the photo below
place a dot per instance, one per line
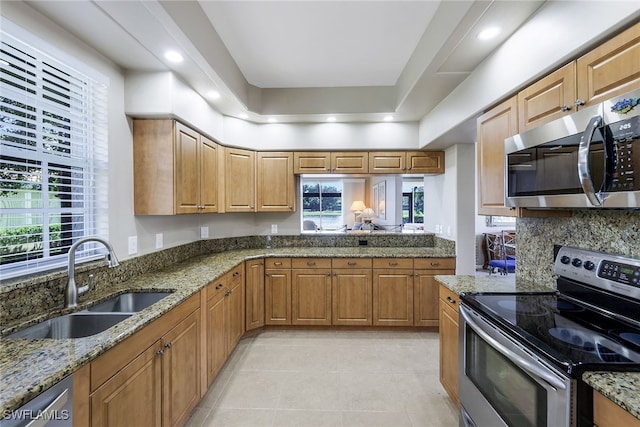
(277, 291)
(254, 294)
(392, 292)
(311, 291)
(426, 306)
(607, 413)
(449, 369)
(225, 319)
(152, 378)
(351, 297)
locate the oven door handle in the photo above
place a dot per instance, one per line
(527, 366)
(584, 170)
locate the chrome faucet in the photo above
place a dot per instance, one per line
(73, 291)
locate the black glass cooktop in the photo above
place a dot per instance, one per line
(573, 336)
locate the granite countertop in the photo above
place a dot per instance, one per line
(30, 366)
(621, 387)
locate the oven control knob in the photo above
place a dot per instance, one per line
(577, 262)
(565, 259)
(589, 265)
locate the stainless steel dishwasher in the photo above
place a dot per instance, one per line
(52, 408)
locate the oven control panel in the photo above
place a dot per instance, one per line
(612, 272)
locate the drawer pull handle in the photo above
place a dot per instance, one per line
(435, 264)
(220, 286)
(236, 274)
(451, 300)
(393, 264)
(277, 263)
(311, 263)
(352, 263)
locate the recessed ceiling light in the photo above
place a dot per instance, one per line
(388, 118)
(488, 33)
(272, 120)
(213, 94)
(173, 56)
(331, 119)
(243, 116)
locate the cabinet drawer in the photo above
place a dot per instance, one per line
(277, 263)
(351, 263)
(449, 297)
(434, 263)
(217, 287)
(393, 263)
(311, 263)
(236, 275)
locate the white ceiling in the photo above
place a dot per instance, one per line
(300, 61)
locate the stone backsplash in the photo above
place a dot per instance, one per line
(28, 296)
(612, 231)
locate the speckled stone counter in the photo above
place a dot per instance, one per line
(491, 283)
(27, 366)
(621, 387)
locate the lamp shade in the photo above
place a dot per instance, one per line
(357, 206)
(367, 213)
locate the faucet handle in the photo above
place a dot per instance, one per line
(87, 285)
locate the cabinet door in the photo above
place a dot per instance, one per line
(277, 297)
(240, 179)
(393, 297)
(133, 396)
(493, 127)
(216, 333)
(387, 162)
(254, 291)
(311, 162)
(181, 370)
(607, 413)
(187, 169)
(209, 179)
(426, 303)
(235, 311)
(276, 182)
(547, 99)
(350, 162)
(425, 162)
(611, 69)
(449, 343)
(311, 296)
(351, 302)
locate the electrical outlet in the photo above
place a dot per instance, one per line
(159, 241)
(274, 228)
(133, 245)
(204, 232)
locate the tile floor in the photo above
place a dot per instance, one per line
(329, 378)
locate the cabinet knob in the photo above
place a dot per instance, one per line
(168, 345)
(579, 103)
(565, 108)
(160, 352)
(220, 286)
(451, 300)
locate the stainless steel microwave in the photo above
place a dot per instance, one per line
(588, 159)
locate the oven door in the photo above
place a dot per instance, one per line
(502, 384)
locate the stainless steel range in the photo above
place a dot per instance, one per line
(522, 355)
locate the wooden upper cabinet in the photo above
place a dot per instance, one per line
(311, 162)
(611, 69)
(350, 162)
(425, 162)
(387, 162)
(548, 99)
(494, 127)
(276, 182)
(331, 162)
(240, 180)
(175, 169)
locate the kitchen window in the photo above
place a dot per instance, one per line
(53, 154)
(321, 204)
(412, 202)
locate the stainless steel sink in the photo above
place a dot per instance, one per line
(129, 303)
(74, 325)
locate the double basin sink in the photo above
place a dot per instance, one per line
(95, 319)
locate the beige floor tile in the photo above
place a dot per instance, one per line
(433, 411)
(375, 419)
(307, 418)
(252, 390)
(198, 417)
(233, 417)
(310, 390)
(366, 391)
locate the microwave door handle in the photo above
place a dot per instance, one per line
(533, 369)
(583, 161)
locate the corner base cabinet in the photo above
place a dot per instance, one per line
(449, 342)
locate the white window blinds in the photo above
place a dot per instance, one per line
(53, 159)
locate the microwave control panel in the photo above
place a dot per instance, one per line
(626, 148)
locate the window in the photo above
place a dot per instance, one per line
(412, 202)
(321, 204)
(53, 156)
